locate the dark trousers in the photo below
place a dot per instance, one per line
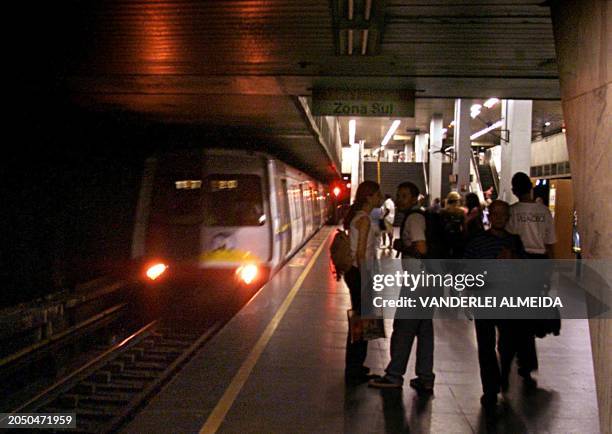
(402, 338)
(356, 352)
(513, 341)
(490, 374)
(526, 355)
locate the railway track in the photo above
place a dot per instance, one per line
(108, 390)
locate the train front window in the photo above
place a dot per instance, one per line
(177, 193)
(233, 200)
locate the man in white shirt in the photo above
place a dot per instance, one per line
(533, 222)
(413, 245)
(389, 213)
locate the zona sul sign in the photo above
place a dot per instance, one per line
(363, 102)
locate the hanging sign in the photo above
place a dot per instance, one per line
(363, 102)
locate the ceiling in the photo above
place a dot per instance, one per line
(244, 62)
(372, 130)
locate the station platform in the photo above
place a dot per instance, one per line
(277, 367)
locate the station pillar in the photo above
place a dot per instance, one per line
(516, 151)
(463, 146)
(356, 167)
(421, 148)
(435, 158)
(583, 42)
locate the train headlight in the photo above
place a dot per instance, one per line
(155, 271)
(247, 273)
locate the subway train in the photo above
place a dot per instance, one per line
(227, 215)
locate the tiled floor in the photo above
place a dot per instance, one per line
(297, 384)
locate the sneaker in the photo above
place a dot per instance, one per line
(528, 380)
(488, 402)
(421, 386)
(384, 383)
(504, 384)
(355, 380)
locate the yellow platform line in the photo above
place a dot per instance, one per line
(215, 419)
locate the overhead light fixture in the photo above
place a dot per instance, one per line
(364, 41)
(402, 137)
(475, 110)
(368, 10)
(547, 124)
(352, 129)
(491, 102)
(497, 124)
(390, 133)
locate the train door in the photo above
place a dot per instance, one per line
(285, 222)
(295, 210)
(316, 209)
(307, 207)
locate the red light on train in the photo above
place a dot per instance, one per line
(337, 191)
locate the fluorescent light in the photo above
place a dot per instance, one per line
(497, 124)
(475, 110)
(402, 137)
(491, 102)
(364, 41)
(368, 10)
(389, 134)
(352, 128)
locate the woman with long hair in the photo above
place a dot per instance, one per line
(363, 250)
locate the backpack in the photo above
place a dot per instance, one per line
(340, 252)
(434, 235)
(453, 236)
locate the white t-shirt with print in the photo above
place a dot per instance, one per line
(533, 222)
(391, 207)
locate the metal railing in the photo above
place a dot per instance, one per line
(425, 180)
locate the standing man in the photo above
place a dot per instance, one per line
(389, 213)
(412, 244)
(533, 222)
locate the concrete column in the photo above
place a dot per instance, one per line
(463, 145)
(435, 159)
(516, 154)
(356, 157)
(583, 42)
(421, 148)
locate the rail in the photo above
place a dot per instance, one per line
(34, 329)
(425, 180)
(477, 170)
(494, 175)
(105, 392)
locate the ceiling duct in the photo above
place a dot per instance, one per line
(358, 26)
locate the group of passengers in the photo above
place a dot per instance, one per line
(522, 230)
